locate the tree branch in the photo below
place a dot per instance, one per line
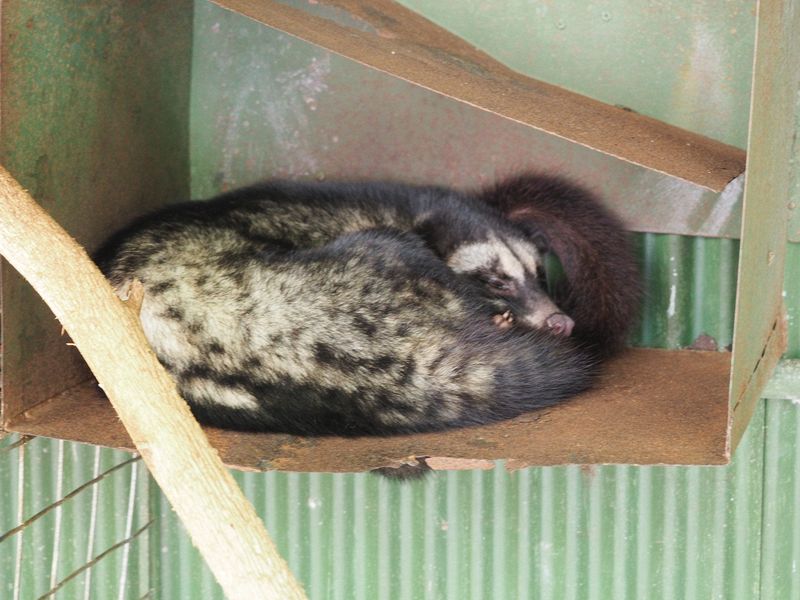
(219, 519)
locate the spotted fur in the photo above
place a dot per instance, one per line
(350, 309)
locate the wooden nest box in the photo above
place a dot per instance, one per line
(95, 125)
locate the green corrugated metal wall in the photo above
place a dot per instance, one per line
(55, 546)
(781, 508)
(556, 533)
(265, 103)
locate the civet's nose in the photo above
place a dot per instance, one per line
(560, 324)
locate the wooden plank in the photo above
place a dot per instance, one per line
(87, 132)
(758, 338)
(391, 38)
(651, 407)
(423, 137)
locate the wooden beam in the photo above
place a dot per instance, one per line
(759, 331)
(384, 35)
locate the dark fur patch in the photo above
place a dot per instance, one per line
(325, 354)
(405, 472)
(215, 348)
(385, 400)
(407, 371)
(383, 363)
(252, 362)
(176, 314)
(364, 325)
(198, 371)
(161, 287)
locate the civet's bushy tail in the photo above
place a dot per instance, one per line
(603, 289)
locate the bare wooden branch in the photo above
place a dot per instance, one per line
(219, 519)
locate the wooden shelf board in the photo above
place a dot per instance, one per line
(386, 36)
(650, 407)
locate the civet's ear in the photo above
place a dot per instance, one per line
(535, 234)
(439, 234)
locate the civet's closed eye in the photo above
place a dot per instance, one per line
(498, 283)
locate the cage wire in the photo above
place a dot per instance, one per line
(74, 521)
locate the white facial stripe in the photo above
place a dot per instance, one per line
(527, 253)
(512, 257)
(472, 257)
(509, 263)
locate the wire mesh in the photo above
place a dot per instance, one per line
(74, 523)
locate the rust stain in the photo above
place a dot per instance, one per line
(704, 342)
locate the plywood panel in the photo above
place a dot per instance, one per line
(94, 112)
(266, 104)
(389, 37)
(689, 64)
(759, 333)
(651, 407)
